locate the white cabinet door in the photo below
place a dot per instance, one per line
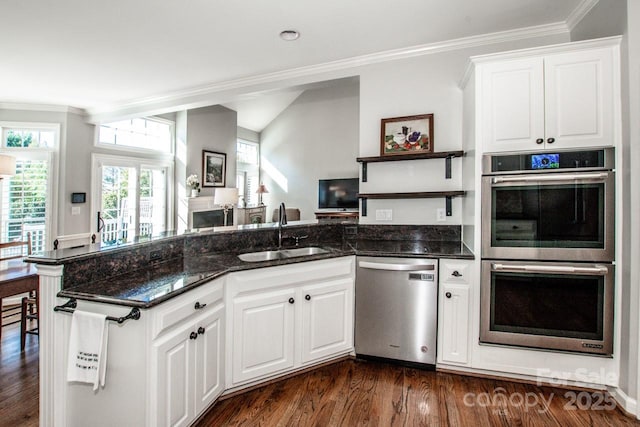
(454, 326)
(209, 354)
(327, 319)
(579, 99)
(174, 362)
(512, 97)
(263, 334)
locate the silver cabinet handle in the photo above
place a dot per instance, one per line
(396, 267)
(551, 177)
(549, 269)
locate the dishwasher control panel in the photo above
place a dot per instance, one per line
(427, 277)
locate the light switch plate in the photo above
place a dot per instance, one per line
(441, 214)
(75, 210)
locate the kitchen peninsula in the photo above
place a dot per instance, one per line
(202, 310)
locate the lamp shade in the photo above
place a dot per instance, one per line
(262, 189)
(225, 196)
(7, 166)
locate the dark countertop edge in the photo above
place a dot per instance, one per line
(242, 266)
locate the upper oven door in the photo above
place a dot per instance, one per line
(554, 216)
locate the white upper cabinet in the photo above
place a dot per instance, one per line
(560, 97)
(513, 100)
(579, 98)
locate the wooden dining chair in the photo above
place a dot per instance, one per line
(18, 249)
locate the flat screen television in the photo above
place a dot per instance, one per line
(338, 193)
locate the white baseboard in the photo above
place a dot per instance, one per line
(628, 404)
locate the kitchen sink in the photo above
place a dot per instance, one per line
(311, 250)
(281, 254)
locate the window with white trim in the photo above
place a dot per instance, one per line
(248, 171)
(147, 133)
(26, 197)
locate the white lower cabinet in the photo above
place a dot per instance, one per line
(453, 311)
(188, 368)
(263, 327)
(282, 318)
(327, 319)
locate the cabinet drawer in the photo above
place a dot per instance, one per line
(455, 272)
(184, 306)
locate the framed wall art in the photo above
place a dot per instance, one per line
(406, 135)
(214, 169)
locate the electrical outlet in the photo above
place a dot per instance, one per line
(384, 214)
(441, 214)
(155, 255)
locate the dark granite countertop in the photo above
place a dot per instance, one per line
(413, 248)
(148, 287)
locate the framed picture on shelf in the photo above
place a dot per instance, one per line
(214, 169)
(404, 136)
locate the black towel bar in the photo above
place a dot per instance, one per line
(69, 307)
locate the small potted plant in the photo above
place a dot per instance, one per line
(194, 184)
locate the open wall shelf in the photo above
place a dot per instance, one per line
(448, 195)
(447, 155)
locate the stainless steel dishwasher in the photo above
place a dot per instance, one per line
(396, 309)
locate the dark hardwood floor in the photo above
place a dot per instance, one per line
(350, 393)
(18, 379)
(363, 393)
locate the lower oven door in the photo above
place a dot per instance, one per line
(557, 306)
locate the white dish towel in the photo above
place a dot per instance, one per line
(88, 348)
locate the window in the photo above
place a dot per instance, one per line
(135, 200)
(248, 171)
(150, 134)
(26, 197)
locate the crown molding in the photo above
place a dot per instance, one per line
(579, 13)
(180, 99)
(42, 107)
(603, 42)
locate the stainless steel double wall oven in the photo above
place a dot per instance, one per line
(548, 250)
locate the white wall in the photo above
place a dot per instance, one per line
(248, 134)
(316, 137)
(212, 129)
(419, 85)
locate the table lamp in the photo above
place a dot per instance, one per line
(227, 198)
(261, 190)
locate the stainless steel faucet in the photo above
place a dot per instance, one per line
(282, 221)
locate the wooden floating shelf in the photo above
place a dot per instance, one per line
(447, 155)
(447, 195)
(395, 158)
(416, 195)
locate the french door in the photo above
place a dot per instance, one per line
(133, 198)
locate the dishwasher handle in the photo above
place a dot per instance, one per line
(395, 267)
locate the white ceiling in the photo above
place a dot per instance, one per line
(91, 54)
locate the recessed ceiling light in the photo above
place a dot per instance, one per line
(289, 35)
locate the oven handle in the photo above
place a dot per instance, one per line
(549, 269)
(551, 177)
